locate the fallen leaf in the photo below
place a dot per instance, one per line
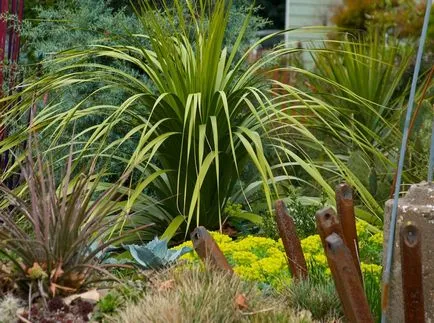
(241, 301)
(56, 273)
(166, 285)
(52, 289)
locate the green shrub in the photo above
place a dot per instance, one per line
(302, 212)
(109, 304)
(269, 227)
(121, 294)
(72, 24)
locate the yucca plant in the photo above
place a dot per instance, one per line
(196, 116)
(54, 234)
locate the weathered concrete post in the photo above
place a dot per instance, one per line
(417, 207)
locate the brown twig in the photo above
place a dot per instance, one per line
(22, 318)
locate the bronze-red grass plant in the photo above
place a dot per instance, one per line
(68, 224)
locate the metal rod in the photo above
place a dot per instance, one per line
(412, 282)
(345, 210)
(347, 282)
(390, 241)
(291, 242)
(208, 250)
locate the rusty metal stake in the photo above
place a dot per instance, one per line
(347, 218)
(347, 282)
(208, 250)
(291, 242)
(327, 223)
(411, 262)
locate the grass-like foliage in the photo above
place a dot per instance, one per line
(371, 67)
(195, 295)
(369, 75)
(194, 115)
(321, 299)
(54, 233)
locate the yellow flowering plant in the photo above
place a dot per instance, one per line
(252, 258)
(263, 259)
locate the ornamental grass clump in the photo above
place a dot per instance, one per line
(195, 295)
(54, 234)
(321, 299)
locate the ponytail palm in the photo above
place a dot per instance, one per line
(195, 115)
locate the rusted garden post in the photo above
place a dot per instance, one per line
(291, 242)
(327, 223)
(412, 283)
(417, 207)
(347, 282)
(208, 250)
(347, 218)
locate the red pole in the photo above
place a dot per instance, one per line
(11, 28)
(10, 41)
(4, 10)
(14, 46)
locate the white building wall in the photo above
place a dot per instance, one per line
(310, 12)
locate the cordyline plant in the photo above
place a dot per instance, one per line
(55, 236)
(197, 115)
(373, 67)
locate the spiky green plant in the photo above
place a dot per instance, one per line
(367, 74)
(196, 117)
(370, 67)
(54, 233)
